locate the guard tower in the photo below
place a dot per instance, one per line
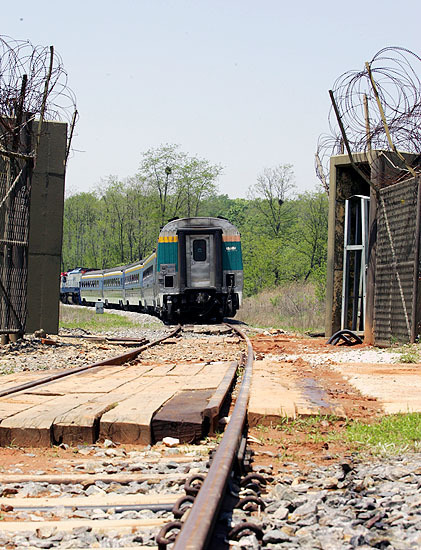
(374, 249)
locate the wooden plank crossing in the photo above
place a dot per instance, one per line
(130, 420)
(115, 402)
(182, 416)
(32, 427)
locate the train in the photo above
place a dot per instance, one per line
(195, 272)
(70, 285)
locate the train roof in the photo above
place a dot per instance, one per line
(198, 222)
(80, 270)
(93, 274)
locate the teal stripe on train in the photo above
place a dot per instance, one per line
(232, 259)
(167, 253)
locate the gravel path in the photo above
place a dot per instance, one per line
(33, 353)
(363, 505)
(164, 471)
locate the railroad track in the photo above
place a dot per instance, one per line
(104, 494)
(127, 499)
(115, 360)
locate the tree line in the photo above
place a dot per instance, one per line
(284, 234)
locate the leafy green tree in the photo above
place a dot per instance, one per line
(310, 232)
(158, 171)
(177, 181)
(215, 205)
(120, 221)
(81, 214)
(197, 183)
(269, 195)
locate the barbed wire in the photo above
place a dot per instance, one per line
(395, 72)
(42, 66)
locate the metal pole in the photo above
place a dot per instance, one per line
(345, 270)
(346, 142)
(383, 117)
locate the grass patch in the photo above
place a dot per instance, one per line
(390, 435)
(315, 428)
(292, 307)
(410, 357)
(410, 353)
(77, 317)
(303, 436)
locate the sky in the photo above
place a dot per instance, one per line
(241, 83)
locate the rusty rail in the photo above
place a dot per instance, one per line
(117, 360)
(197, 530)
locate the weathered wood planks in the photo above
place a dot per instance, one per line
(116, 402)
(182, 416)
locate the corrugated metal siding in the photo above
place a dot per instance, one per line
(394, 298)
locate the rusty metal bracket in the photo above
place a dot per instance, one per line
(168, 534)
(254, 481)
(182, 505)
(251, 504)
(244, 529)
(193, 484)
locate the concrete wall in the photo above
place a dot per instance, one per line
(46, 229)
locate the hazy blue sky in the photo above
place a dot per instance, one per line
(240, 83)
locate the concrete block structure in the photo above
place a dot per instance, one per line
(46, 229)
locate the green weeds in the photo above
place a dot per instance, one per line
(409, 353)
(312, 425)
(389, 435)
(393, 434)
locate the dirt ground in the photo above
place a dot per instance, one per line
(336, 387)
(316, 440)
(304, 440)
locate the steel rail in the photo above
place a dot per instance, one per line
(117, 360)
(196, 532)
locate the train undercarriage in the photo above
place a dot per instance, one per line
(199, 305)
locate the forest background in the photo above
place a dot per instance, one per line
(284, 233)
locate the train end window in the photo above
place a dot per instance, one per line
(199, 250)
(169, 281)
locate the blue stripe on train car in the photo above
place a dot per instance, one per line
(231, 256)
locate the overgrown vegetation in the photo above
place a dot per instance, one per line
(294, 306)
(409, 353)
(386, 436)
